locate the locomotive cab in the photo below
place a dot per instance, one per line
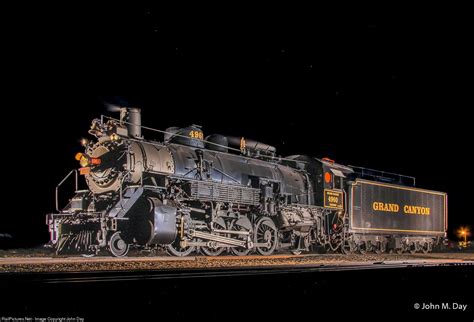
(329, 179)
(331, 183)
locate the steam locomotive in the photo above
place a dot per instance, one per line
(219, 194)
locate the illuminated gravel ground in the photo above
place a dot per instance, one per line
(18, 261)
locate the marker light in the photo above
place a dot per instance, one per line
(83, 159)
(327, 177)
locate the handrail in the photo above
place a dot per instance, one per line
(62, 181)
(104, 117)
(122, 180)
(381, 174)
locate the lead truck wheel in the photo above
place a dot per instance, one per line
(117, 246)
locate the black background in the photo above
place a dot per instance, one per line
(370, 295)
(402, 81)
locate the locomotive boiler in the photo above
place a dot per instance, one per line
(218, 194)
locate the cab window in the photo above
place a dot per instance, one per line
(337, 182)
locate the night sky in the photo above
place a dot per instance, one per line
(403, 85)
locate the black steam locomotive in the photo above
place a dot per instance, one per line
(215, 194)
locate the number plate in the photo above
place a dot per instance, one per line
(333, 199)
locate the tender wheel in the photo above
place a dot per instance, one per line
(369, 246)
(380, 248)
(425, 248)
(296, 252)
(175, 248)
(348, 248)
(266, 232)
(117, 246)
(362, 248)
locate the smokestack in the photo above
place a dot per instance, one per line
(134, 124)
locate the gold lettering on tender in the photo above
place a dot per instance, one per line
(388, 207)
(416, 210)
(407, 209)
